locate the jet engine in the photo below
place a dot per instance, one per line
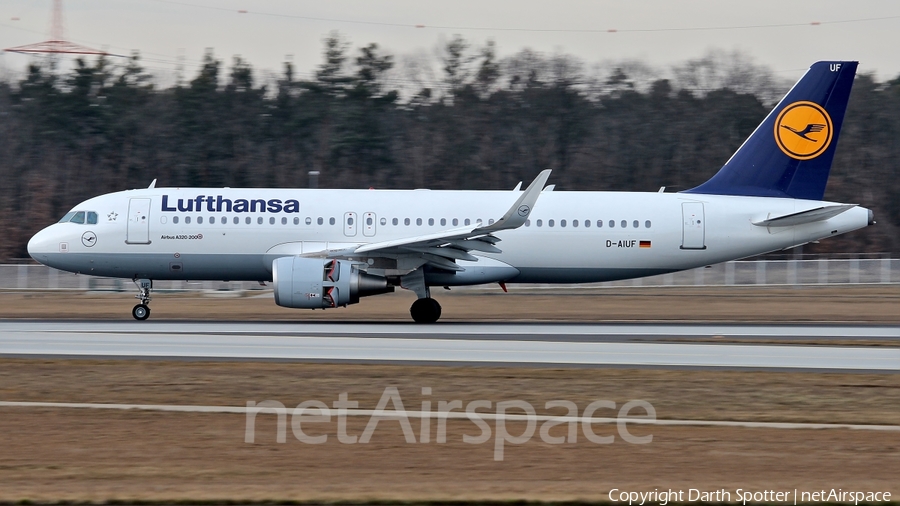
(313, 283)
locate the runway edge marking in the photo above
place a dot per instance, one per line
(454, 415)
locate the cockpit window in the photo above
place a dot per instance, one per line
(80, 217)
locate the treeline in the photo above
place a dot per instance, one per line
(364, 120)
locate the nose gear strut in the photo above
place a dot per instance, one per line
(142, 311)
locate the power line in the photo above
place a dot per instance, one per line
(531, 30)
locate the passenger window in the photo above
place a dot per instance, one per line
(331, 221)
(562, 223)
(540, 223)
(406, 222)
(247, 220)
(419, 222)
(491, 221)
(91, 218)
(467, 222)
(284, 221)
(549, 223)
(187, 220)
(647, 223)
(443, 222)
(308, 220)
(296, 220)
(349, 220)
(259, 220)
(612, 223)
(430, 222)
(236, 220)
(527, 223)
(369, 221)
(67, 217)
(599, 223)
(624, 224)
(636, 224)
(175, 219)
(575, 223)
(587, 223)
(320, 221)
(199, 220)
(455, 222)
(272, 220)
(384, 221)
(78, 218)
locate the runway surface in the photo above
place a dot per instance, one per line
(641, 345)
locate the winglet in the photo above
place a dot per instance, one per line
(517, 214)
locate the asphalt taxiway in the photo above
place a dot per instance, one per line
(632, 345)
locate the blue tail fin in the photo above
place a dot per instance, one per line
(790, 152)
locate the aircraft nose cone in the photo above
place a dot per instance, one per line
(39, 246)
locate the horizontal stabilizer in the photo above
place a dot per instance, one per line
(803, 217)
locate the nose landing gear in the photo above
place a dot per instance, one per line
(142, 311)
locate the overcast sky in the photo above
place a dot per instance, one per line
(779, 34)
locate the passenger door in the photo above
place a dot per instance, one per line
(138, 221)
(694, 229)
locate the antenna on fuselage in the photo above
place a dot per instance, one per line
(152, 184)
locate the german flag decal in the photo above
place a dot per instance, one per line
(645, 244)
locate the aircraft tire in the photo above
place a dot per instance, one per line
(425, 310)
(140, 312)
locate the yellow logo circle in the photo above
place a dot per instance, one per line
(803, 130)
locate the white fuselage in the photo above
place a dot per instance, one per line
(641, 234)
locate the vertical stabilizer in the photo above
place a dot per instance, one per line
(790, 152)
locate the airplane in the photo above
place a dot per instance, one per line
(325, 248)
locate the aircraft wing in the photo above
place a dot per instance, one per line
(808, 216)
(442, 248)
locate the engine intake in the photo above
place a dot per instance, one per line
(313, 283)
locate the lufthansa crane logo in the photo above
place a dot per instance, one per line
(89, 239)
(524, 210)
(803, 130)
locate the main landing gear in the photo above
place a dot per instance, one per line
(425, 310)
(142, 311)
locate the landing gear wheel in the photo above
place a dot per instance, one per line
(426, 310)
(141, 312)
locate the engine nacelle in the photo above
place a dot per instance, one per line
(314, 283)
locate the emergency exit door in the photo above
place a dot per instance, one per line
(138, 222)
(350, 224)
(369, 224)
(694, 226)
